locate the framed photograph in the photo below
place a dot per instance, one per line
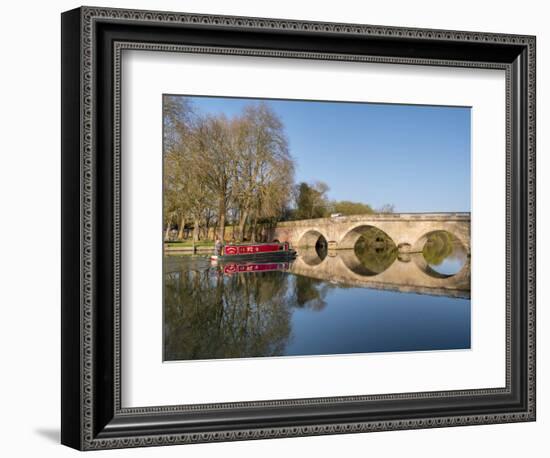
(276, 228)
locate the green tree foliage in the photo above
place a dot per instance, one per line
(311, 200)
(346, 208)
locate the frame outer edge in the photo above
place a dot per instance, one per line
(88, 16)
(532, 226)
(71, 305)
(88, 193)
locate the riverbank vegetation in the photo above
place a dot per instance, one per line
(190, 244)
(232, 177)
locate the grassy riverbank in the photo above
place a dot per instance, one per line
(189, 246)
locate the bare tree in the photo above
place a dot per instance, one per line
(178, 119)
(263, 160)
(386, 208)
(212, 162)
(217, 168)
(176, 205)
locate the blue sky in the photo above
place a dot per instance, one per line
(415, 157)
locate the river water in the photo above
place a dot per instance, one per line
(316, 306)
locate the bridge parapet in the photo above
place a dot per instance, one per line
(455, 216)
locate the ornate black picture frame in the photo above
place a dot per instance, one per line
(92, 42)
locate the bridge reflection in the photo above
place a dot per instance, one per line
(405, 272)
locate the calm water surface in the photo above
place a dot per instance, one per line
(280, 311)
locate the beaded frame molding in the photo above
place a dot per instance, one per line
(92, 42)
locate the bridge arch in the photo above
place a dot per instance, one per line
(374, 257)
(352, 235)
(420, 242)
(407, 231)
(424, 264)
(459, 233)
(311, 238)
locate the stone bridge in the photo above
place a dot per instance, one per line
(408, 273)
(407, 230)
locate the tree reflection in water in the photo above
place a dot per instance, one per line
(375, 250)
(209, 315)
(310, 292)
(444, 253)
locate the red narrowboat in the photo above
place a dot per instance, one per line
(255, 251)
